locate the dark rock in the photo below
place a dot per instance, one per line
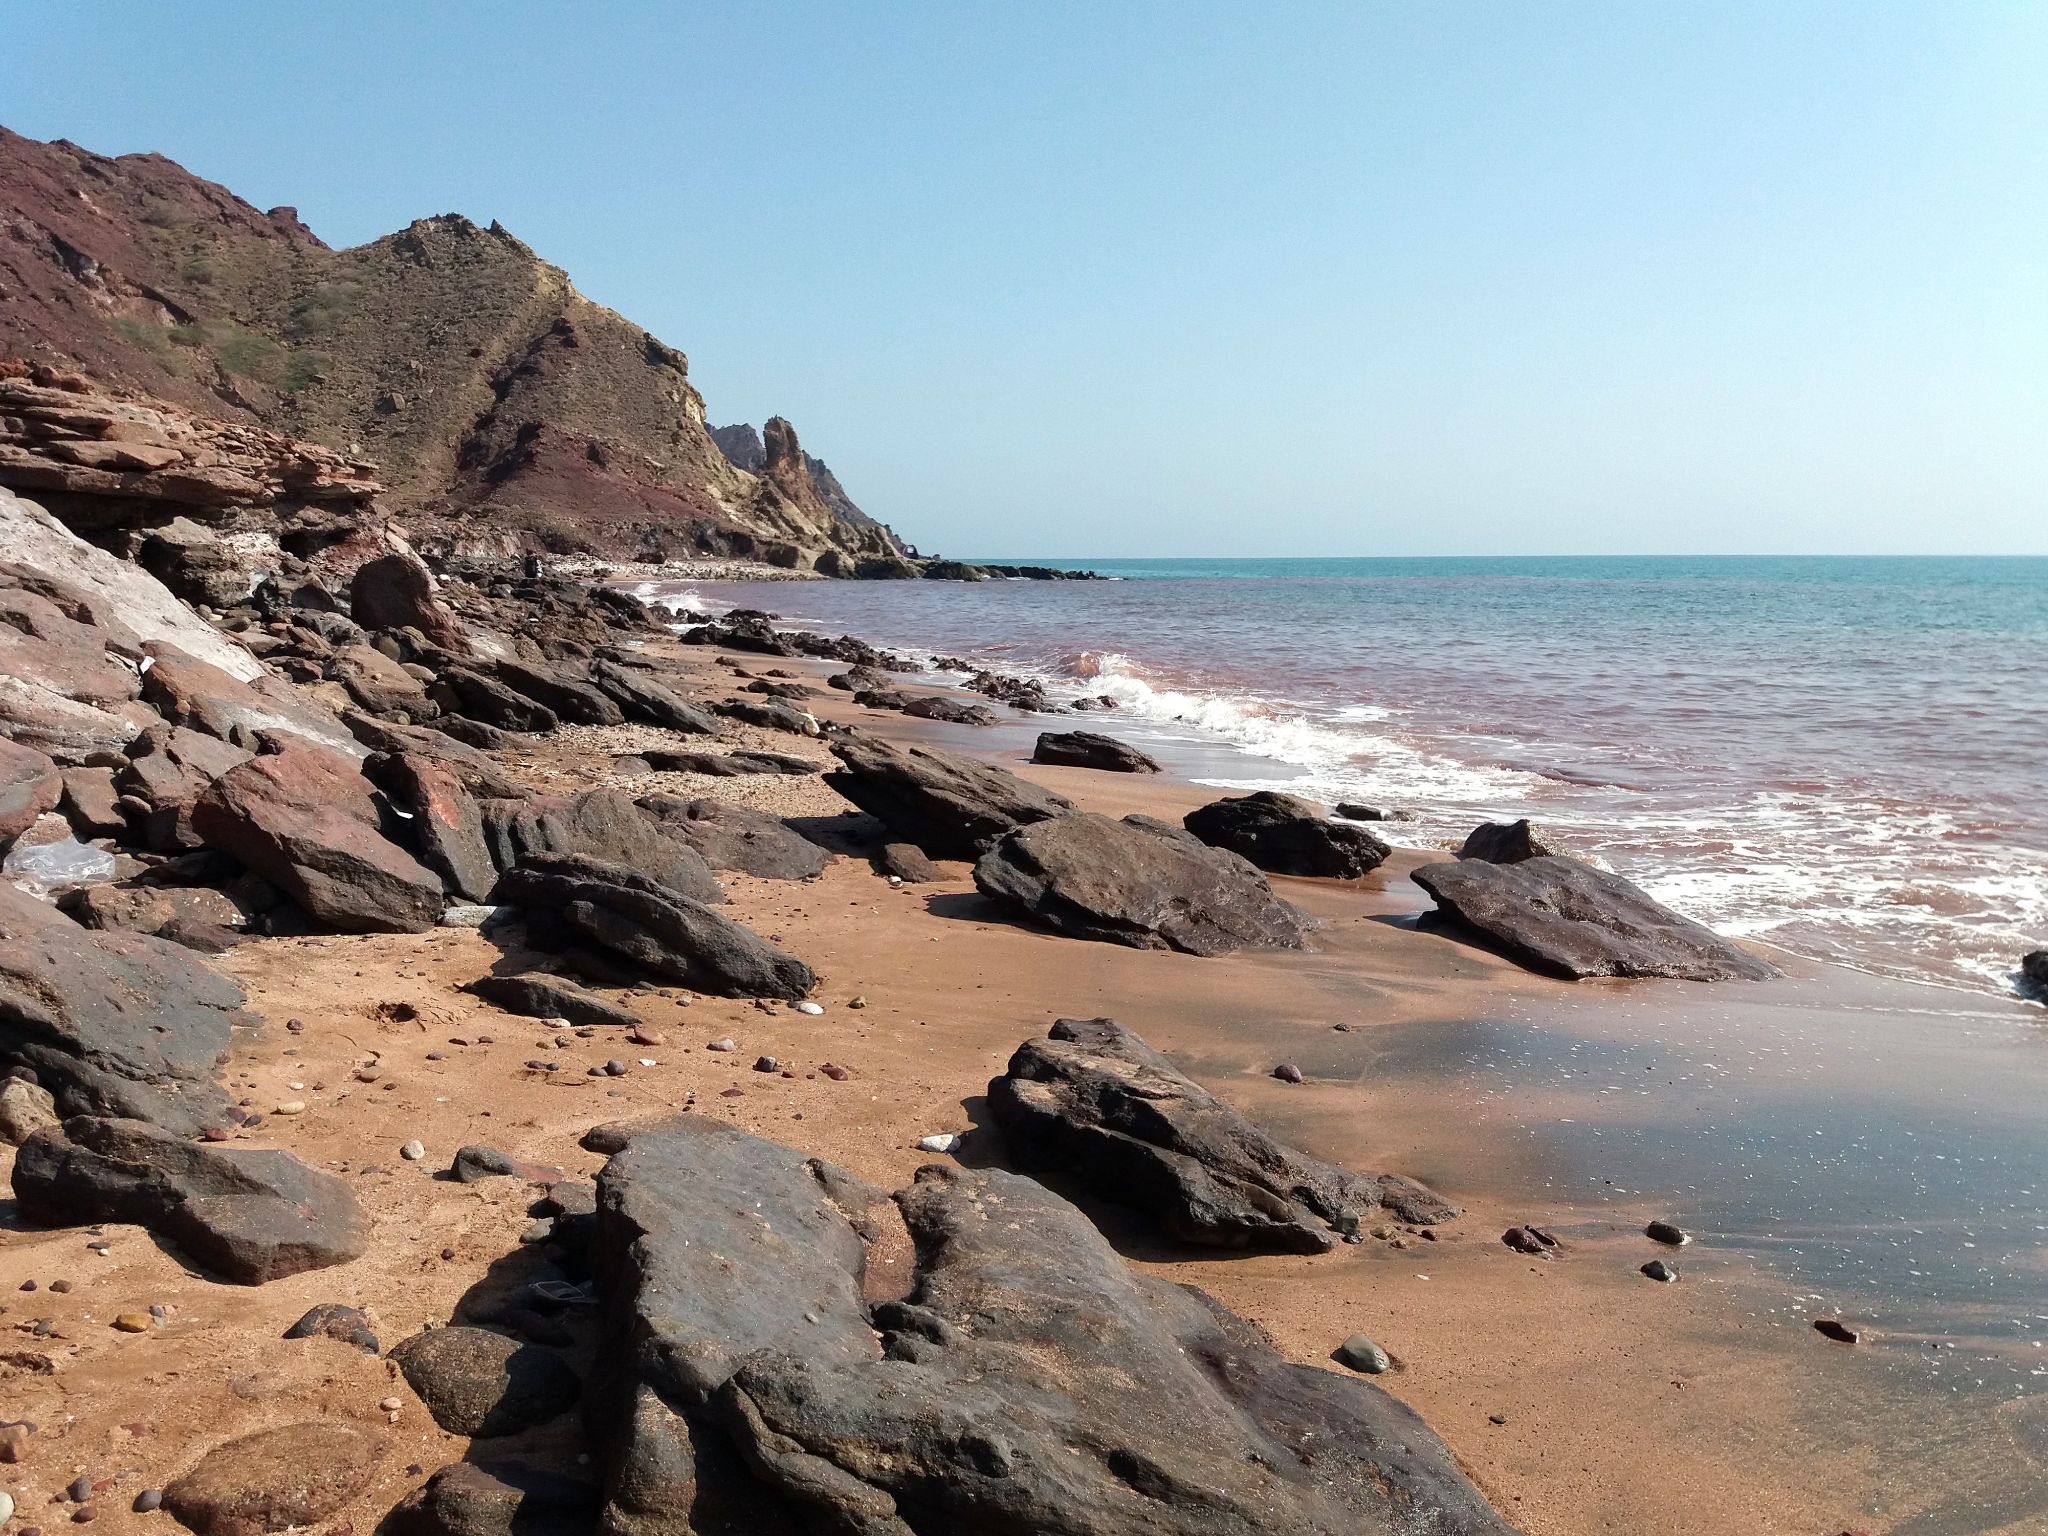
(1019, 1389)
(1094, 1098)
(1359, 1353)
(1026, 694)
(860, 680)
(549, 997)
(112, 1023)
(1287, 836)
(1664, 1232)
(1089, 749)
(907, 862)
(1505, 842)
(666, 934)
(1287, 1072)
(2034, 970)
(937, 706)
(642, 698)
(1834, 1328)
(1569, 919)
(395, 591)
(1351, 810)
(332, 1320)
(603, 824)
(460, 691)
(276, 1479)
(475, 1382)
(447, 824)
(479, 775)
(497, 1499)
(246, 1214)
(307, 821)
(733, 837)
(1532, 1240)
(574, 698)
(1658, 1270)
(476, 1162)
(1094, 878)
(168, 769)
(881, 698)
(728, 765)
(770, 716)
(951, 806)
(770, 689)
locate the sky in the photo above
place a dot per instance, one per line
(1125, 278)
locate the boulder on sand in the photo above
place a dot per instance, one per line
(1287, 836)
(770, 715)
(1091, 749)
(1505, 842)
(283, 1479)
(1126, 883)
(475, 1382)
(727, 765)
(951, 806)
(643, 698)
(1569, 919)
(734, 837)
(244, 1214)
(563, 688)
(113, 1023)
(1016, 1387)
(505, 1498)
(644, 921)
(1094, 1099)
(549, 997)
(307, 821)
(603, 824)
(937, 706)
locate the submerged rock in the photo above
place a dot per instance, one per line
(1094, 1099)
(1125, 883)
(1569, 919)
(1287, 836)
(951, 806)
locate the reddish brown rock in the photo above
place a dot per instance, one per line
(29, 786)
(193, 693)
(395, 591)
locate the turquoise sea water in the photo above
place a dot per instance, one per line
(1846, 756)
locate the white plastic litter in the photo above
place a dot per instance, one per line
(47, 867)
(945, 1141)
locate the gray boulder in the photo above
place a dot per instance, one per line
(1287, 836)
(496, 1499)
(727, 765)
(769, 715)
(643, 698)
(1124, 883)
(461, 691)
(1569, 919)
(951, 806)
(1091, 749)
(1506, 842)
(549, 997)
(602, 824)
(734, 837)
(245, 1214)
(113, 1023)
(1094, 1099)
(571, 693)
(475, 1382)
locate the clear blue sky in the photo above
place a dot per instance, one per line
(1122, 278)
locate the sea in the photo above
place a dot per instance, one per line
(1844, 757)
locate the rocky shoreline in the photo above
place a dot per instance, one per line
(452, 961)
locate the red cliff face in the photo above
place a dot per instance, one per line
(503, 411)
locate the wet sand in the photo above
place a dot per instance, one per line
(1706, 1406)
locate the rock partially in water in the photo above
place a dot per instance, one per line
(1095, 1100)
(1506, 842)
(1569, 919)
(1287, 836)
(1091, 749)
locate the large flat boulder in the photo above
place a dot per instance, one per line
(244, 1214)
(648, 924)
(282, 1479)
(564, 687)
(1091, 749)
(603, 824)
(1569, 919)
(951, 806)
(309, 823)
(1095, 1100)
(480, 775)
(1126, 882)
(1014, 1388)
(540, 996)
(461, 691)
(1286, 835)
(644, 698)
(735, 837)
(113, 1023)
(30, 784)
(728, 765)
(200, 696)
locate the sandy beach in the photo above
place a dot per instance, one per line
(1581, 1397)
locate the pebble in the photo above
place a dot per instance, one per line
(85, 1514)
(80, 1489)
(14, 1441)
(767, 1064)
(1287, 1072)
(837, 1073)
(1496, 1418)
(60, 1286)
(391, 1404)
(734, 1093)
(857, 1002)
(6, 1506)
(435, 1056)
(1834, 1328)
(1657, 1269)
(726, 1044)
(1363, 1356)
(147, 1500)
(1664, 1232)
(809, 1007)
(539, 1232)
(646, 1034)
(944, 1141)
(615, 1068)
(412, 1151)
(296, 1026)
(132, 1322)
(290, 1107)
(647, 1061)
(28, 1285)
(368, 1074)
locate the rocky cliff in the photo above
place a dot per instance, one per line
(505, 412)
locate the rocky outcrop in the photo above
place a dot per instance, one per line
(951, 806)
(396, 591)
(1128, 883)
(601, 824)
(1287, 836)
(1094, 1100)
(734, 837)
(113, 1023)
(1090, 749)
(647, 924)
(643, 698)
(937, 706)
(244, 1214)
(1506, 842)
(201, 697)
(310, 823)
(1569, 919)
(1015, 1388)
